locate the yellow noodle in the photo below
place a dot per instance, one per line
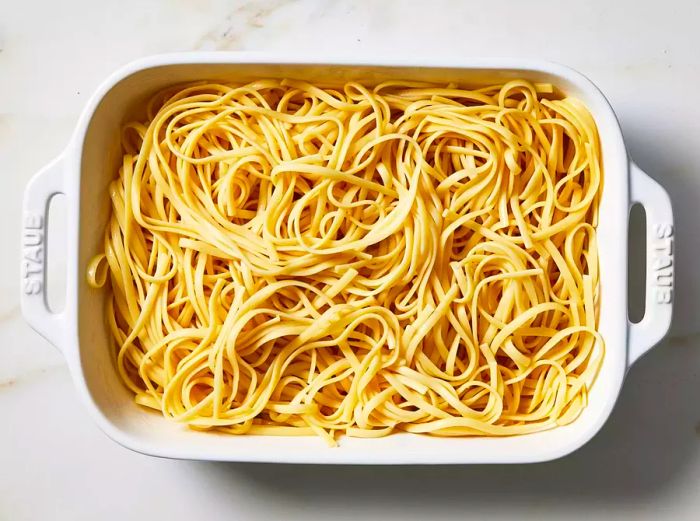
(290, 259)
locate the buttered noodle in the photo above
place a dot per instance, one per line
(285, 258)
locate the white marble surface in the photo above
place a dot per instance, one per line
(56, 464)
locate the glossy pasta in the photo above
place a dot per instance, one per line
(286, 258)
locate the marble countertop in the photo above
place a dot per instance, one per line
(54, 461)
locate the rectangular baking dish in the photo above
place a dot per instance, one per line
(82, 172)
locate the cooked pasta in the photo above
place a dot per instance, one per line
(286, 258)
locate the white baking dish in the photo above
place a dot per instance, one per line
(90, 161)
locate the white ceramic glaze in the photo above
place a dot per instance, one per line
(83, 171)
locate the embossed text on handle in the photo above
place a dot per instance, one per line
(33, 239)
(662, 262)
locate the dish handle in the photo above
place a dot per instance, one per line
(33, 296)
(658, 308)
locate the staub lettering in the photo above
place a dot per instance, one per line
(33, 254)
(662, 263)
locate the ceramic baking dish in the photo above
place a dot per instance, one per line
(82, 172)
